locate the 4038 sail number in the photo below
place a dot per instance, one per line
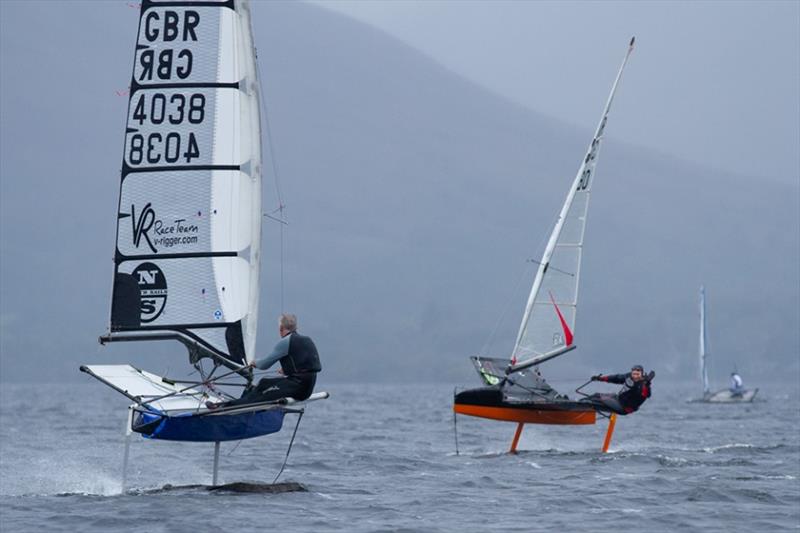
(167, 147)
(175, 108)
(155, 148)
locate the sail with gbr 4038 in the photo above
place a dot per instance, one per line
(515, 389)
(188, 255)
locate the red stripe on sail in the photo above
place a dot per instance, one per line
(564, 326)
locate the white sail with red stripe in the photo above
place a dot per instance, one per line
(548, 323)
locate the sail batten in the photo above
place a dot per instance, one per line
(543, 328)
(189, 223)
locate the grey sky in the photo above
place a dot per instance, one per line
(716, 82)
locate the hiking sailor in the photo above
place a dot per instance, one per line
(737, 386)
(299, 361)
(636, 388)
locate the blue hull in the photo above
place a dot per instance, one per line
(216, 428)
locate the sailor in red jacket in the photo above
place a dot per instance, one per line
(636, 388)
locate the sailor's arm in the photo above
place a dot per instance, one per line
(281, 350)
(619, 379)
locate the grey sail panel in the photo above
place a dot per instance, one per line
(189, 220)
(165, 127)
(183, 42)
(184, 218)
(192, 290)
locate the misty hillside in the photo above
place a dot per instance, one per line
(414, 199)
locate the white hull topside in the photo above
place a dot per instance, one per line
(726, 396)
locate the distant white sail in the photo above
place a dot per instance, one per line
(189, 224)
(703, 343)
(549, 319)
(730, 395)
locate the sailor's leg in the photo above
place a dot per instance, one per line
(606, 402)
(277, 388)
(595, 398)
(269, 389)
(516, 438)
(255, 394)
(612, 402)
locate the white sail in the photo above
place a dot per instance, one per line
(549, 319)
(703, 343)
(731, 394)
(189, 225)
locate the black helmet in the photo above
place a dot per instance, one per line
(640, 368)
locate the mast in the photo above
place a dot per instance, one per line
(539, 342)
(703, 345)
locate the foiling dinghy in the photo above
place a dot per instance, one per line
(187, 258)
(735, 393)
(515, 390)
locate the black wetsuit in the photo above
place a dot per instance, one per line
(300, 366)
(632, 395)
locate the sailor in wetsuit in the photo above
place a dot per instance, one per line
(299, 365)
(636, 388)
(737, 386)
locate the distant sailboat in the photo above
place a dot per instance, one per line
(516, 390)
(735, 393)
(188, 253)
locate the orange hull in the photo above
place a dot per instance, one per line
(528, 415)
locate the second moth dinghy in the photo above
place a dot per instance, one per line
(188, 253)
(735, 393)
(515, 389)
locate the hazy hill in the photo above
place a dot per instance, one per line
(414, 199)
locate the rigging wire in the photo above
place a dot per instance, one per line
(276, 180)
(539, 250)
(504, 312)
(235, 447)
(289, 450)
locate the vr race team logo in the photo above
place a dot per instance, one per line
(142, 225)
(153, 290)
(150, 231)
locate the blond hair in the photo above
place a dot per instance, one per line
(288, 322)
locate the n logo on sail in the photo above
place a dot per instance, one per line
(153, 291)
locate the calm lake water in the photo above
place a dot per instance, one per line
(382, 458)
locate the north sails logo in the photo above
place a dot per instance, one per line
(153, 291)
